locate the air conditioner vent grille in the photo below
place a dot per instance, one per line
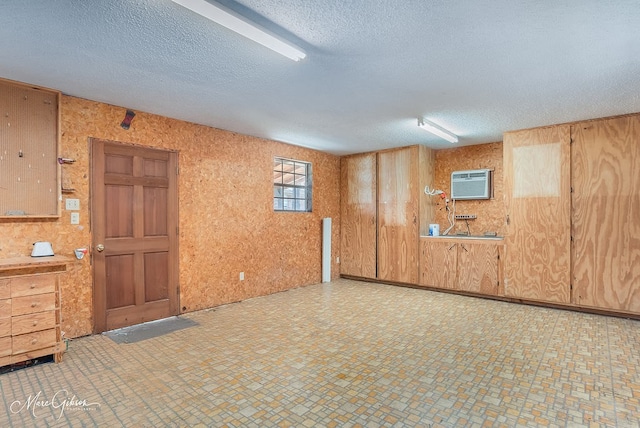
(474, 184)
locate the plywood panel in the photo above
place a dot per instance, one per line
(28, 151)
(478, 268)
(438, 267)
(426, 170)
(537, 264)
(490, 212)
(398, 215)
(358, 215)
(606, 213)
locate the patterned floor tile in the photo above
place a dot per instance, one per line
(346, 354)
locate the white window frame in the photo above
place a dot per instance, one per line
(292, 184)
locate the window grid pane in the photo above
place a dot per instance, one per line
(292, 185)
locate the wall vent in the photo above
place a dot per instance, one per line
(473, 184)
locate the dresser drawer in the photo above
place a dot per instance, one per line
(33, 322)
(32, 284)
(5, 346)
(5, 327)
(5, 308)
(5, 288)
(33, 341)
(33, 304)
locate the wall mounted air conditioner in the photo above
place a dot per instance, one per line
(474, 184)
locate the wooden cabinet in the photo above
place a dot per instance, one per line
(605, 160)
(358, 215)
(572, 195)
(537, 194)
(384, 212)
(439, 264)
(30, 309)
(478, 267)
(462, 264)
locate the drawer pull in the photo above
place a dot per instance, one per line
(34, 304)
(34, 341)
(35, 323)
(33, 286)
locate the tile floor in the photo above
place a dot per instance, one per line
(346, 354)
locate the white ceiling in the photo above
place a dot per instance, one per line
(476, 67)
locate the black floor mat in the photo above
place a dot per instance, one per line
(148, 330)
(25, 364)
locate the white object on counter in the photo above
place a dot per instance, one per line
(434, 230)
(42, 249)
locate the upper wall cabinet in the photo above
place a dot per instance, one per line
(29, 179)
(537, 193)
(605, 160)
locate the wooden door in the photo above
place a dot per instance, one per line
(358, 220)
(537, 206)
(398, 215)
(478, 268)
(134, 212)
(439, 263)
(606, 213)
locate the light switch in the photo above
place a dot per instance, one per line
(75, 218)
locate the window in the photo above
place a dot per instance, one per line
(291, 185)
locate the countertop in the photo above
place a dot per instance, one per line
(33, 262)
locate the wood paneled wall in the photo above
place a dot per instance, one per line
(490, 212)
(227, 222)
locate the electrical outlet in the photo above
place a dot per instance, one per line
(75, 218)
(338, 260)
(241, 276)
(466, 216)
(72, 204)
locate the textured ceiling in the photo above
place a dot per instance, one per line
(476, 67)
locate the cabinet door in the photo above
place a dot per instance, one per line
(358, 220)
(606, 213)
(398, 223)
(537, 198)
(478, 268)
(439, 260)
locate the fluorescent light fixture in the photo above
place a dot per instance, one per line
(437, 130)
(234, 22)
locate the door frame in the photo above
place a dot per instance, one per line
(97, 228)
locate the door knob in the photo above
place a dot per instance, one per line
(99, 248)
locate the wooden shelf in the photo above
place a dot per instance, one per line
(26, 262)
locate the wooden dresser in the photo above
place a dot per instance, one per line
(30, 308)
